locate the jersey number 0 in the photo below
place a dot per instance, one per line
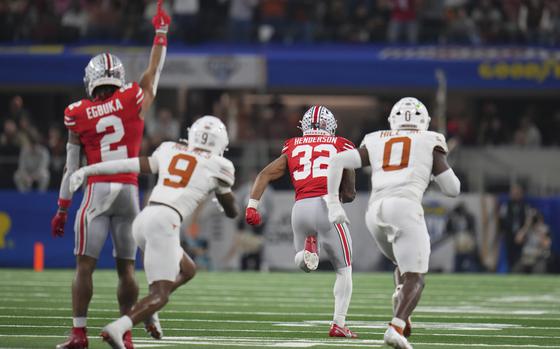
(388, 150)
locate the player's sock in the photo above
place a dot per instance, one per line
(79, 322)
(123, 324)
(300, 263)
(398, 324)
(342, 293)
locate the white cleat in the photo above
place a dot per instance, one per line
(113, 337)
(153, 327)
(395, 340)
(311, 260)
(311, 253)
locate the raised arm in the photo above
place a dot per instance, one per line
(150, 78)
(65, 195)
(271, 172)
(444, 175)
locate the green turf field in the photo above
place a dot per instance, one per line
(293, 310)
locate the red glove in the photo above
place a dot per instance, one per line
(161, 19)
(58, 222)
(252, 216)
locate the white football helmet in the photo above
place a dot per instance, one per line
(409, 113)
(103, 69)
(208, 133)
(318, 119)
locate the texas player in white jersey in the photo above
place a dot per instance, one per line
(403, 161)
(187, 174)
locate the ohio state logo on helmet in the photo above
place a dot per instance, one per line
(103, 69)
(318, 119)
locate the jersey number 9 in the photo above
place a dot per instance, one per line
(184, 173)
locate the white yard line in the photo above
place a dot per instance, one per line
(281, 342)
(207, 329)
(418, 312)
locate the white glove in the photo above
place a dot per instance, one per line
(77, 179)
(336, 212)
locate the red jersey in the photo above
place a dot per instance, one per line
(109, 129)
(308, 160)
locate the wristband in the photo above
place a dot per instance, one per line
(160, 40)
(253, 204)
(64, 203)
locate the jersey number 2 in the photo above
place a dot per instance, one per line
(405, 155)
(312, 167)
(184, 173)
(109, 139)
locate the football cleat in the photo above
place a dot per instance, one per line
(310, 255)
(337, 331)
(127, 339)
(408, 328)
(113, 337)
(394, 339)
(76, 340)
(153, 327)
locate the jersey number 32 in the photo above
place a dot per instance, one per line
(311, 162)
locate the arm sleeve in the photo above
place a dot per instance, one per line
(154, 160)
(449, 183)
(158, 70)
(113, 167)
(345, 159)
(72, 164)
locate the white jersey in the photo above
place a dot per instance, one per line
(401, 162)
(186, 177)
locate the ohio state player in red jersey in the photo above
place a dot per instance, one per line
(108, 125)
(307, 158)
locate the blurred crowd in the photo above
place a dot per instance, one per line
(33, 151)
(286, 21)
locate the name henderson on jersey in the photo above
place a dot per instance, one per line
(314, 139)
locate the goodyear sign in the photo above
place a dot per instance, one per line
(538, 72)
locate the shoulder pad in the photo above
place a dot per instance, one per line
(286, 145)
(439, 141)
(226, 170)
(366, 137)
(345, 144)
(71, 114)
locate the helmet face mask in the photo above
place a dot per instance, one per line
(318, 120)
(409, 114)
(103, 69)
(208, 133)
